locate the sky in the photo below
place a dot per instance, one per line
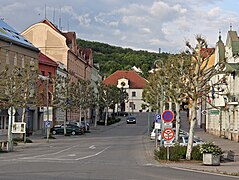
(137, 24)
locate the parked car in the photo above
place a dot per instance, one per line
(82, 125)
(70, 129)
(183, 141)
(153, 133)
(131, 120)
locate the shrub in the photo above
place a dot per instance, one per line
(19, 139)
(175, 153)
(211, 148)
(196, 154)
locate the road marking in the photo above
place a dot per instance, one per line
(71, 155)
(93, 155)
(92, 147)
(58, 152)
(59, 159)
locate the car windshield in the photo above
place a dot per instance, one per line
(131, 117)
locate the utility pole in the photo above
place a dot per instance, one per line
(47, 107)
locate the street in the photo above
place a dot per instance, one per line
(115, 152)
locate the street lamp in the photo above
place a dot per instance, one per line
(161, 104)
(47, 122)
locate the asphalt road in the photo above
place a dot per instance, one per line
(112, 153)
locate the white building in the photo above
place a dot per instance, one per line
(133, 84)
(223, 119)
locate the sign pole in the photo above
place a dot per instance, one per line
(167, 153)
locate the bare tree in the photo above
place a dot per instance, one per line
(196, 80)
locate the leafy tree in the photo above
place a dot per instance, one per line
(112, 58)
(107, 97)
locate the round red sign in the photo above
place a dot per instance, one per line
(168, 116)
(168, 134)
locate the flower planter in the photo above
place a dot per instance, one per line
(211, 160)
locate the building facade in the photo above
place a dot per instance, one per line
(133, 84)
(16, 52)
(222, 119)
(62, 47)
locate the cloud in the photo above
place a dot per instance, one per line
(140, 24)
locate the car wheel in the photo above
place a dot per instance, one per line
(73, 133)
(54, 132)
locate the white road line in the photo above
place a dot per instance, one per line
(92, 147)
(93, 155)
(58, 152)
(59, 159)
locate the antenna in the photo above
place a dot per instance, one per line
(45, 11)
(220, 34)
(60, 20)
(230, 26)
(54, 13)
(68, 25)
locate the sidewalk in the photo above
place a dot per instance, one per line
(227, 167)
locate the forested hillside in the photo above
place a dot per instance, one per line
(112, 58)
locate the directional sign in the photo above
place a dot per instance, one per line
(168, 116)
(47, 124)
(168, 134)
(157, 117)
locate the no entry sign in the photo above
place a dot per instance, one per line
(168, 116)
(168, 134)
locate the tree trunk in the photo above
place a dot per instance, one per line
(23, 136)
(106, 116)
(86, 129)
(80, 116)
(178, 123)
(192, 121)
(96, 115)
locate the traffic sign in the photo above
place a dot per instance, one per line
(168, 116)
(168, 143)
(47, 124)
(157, 117)
(168, 134)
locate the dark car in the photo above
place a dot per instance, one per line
(70, 129)
(82, 125)
(131, 120)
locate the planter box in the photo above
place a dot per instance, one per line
(212, 160)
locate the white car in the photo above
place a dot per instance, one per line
(153, 132)
(183, 141)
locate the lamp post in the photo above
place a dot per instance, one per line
(47, 121)
(161, 105)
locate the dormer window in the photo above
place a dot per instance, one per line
(123, 83)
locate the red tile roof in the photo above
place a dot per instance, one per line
(207, 52)
(135, 80)
(43, 59)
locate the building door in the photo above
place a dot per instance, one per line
(30, 120)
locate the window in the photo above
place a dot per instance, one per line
(133, 94)
(23, 63)
(132, 105)
(43, 73)
(15, 59)
(7, 57)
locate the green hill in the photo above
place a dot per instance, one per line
(112, 58)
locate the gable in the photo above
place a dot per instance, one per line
(135, 81)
